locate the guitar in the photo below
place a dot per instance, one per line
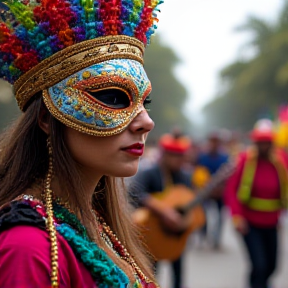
(164, 244)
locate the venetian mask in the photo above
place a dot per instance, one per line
(102, 99)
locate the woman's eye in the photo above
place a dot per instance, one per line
(113, 98)
(147, 103)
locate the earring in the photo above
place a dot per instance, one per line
(50, 222)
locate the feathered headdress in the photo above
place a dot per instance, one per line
(44, 41)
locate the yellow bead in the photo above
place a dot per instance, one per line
(86, 74)
(54, 284)
(54, 245)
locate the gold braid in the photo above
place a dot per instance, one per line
(50, 222)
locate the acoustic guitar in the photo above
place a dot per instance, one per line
(162, 243)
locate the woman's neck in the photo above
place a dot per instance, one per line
(86, 187)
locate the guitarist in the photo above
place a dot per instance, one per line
(167, 171)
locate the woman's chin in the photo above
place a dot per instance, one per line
(125, 171)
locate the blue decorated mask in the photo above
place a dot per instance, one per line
(102, 99)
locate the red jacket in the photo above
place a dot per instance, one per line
(265, 185)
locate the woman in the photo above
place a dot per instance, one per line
(77, 72)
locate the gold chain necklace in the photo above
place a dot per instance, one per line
(118, 247)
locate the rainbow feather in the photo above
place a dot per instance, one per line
(31, 31)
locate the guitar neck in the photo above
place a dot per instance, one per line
(223, 173)
(201, 196)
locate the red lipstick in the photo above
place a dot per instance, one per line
(136, 149)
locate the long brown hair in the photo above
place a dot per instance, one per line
(24, 160)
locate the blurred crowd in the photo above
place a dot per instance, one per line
(245, 173)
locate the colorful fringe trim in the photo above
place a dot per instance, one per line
(101, 267)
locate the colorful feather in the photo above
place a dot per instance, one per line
(31, 31)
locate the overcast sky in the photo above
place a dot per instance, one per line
(202, 32)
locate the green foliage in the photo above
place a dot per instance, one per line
(168, 94)
(256, 87)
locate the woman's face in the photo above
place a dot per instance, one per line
(116, 155)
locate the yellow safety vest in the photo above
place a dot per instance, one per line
(245, 188)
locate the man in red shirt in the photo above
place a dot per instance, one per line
(256, 194)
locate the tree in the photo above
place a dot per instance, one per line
(168, 94)
(255, 87)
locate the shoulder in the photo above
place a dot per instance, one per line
(24, 237)
(24, 251)
(23, 228)
(25, 260)
(29, 243)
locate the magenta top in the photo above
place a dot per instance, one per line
(25, 261)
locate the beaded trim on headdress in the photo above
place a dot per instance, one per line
(32, 31)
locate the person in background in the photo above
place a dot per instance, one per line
(208, 163)
(256, 193)
(233, 144)
(166, 172)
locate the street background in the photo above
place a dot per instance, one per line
(226, 267)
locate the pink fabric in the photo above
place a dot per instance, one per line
(25, 261)
(266, 185)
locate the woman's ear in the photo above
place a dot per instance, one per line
(43, 119)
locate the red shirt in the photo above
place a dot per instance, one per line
(25, 261)
(265, 185)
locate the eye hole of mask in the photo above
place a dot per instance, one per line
(113, 98)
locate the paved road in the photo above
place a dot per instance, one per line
(226, 268)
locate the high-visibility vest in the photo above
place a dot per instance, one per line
(245, 188)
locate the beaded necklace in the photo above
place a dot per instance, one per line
(64, 212)
(105, 272)
(112, 240)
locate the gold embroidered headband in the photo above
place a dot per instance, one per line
(72, 59)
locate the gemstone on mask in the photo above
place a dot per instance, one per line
(86, 75)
